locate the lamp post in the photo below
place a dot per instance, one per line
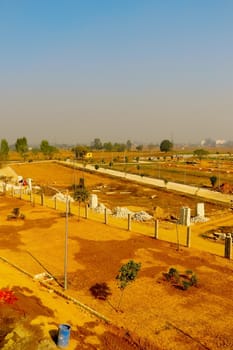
(66, 242)
(218, 175)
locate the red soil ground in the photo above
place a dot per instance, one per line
(154, 314)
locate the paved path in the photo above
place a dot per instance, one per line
(172, 186)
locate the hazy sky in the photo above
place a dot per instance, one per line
(144, 70)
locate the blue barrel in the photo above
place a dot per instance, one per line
(63, 335)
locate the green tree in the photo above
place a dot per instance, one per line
(119, 147)
(21, 146)
(166, 146)
(47, 149)
(139, 148)
(97, 144)
(200, 153)
(108, 146)
(4, 150)
(80, 195)
(128, 145)
(213, 180)
(127, 274)
(80, 151)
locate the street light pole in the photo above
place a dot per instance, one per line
(66, 243)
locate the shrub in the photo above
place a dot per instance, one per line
(126, 275)
(182, 281)
(7, 296)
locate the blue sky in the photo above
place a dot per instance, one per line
(144, 70)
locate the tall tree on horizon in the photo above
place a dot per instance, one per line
(21, 146)
(4, 150)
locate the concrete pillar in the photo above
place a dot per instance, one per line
(86, 211)
(156, 229)
(228, 246)
(188, 238)
(185, 215)
(200, 211)
(42, 199)
(105, 216)
(129, 222)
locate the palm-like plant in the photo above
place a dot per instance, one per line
(81, 194)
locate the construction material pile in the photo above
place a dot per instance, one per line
(101, 208)
(142, 216)
(198, 218)
(122, 212)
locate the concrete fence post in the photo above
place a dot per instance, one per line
(156, 229)
(42, 199)
(86, 211)
(55, 203)
(188, 238)
(228, 246)
(129, 222)
(105, 216)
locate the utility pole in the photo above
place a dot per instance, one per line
(66, 242)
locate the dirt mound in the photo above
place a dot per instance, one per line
(8, 173)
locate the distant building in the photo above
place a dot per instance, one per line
(220, 142)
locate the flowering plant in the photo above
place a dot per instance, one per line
(7, 296)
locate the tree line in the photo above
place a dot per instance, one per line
(48, 150)
(21, 146)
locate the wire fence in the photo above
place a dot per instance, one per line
(173, 232)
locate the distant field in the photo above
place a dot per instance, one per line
(174, 167)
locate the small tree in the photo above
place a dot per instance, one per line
(128, 145)
(213, 180)
(81, 194)
(127, 274)
(4, 150)
(97, 144)
(166, 146)
(139, 148)
(200, 153)
(47, 149)
(21, 146)
(80, 151)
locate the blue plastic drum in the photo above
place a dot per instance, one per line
(63, 335)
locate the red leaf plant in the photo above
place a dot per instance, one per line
(7, 296)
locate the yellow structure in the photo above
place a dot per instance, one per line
(88, 155)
